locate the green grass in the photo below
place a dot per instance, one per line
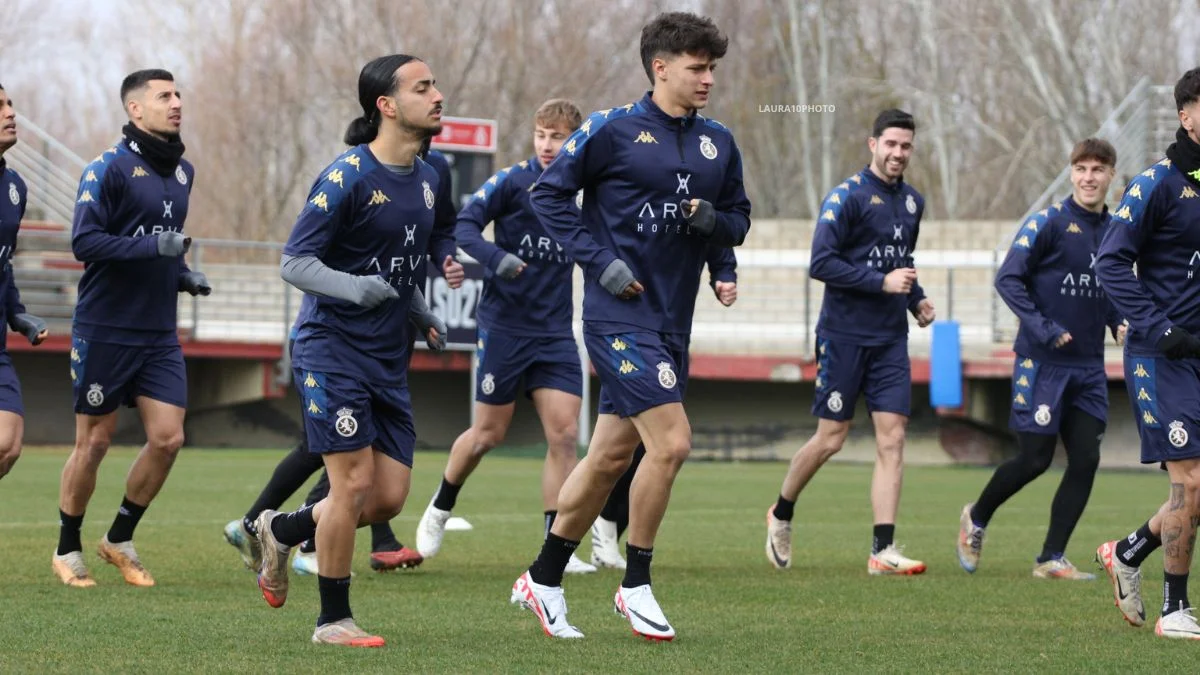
(732, 611)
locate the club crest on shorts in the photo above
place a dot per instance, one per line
(835, 402)
(579, 200)
(15, 197)
(180, 175)
(95, 395)
(1177, 435)
(346, 425)
(1042, 416)
(910, 204)
(488, 385)
(666, 376)
(427, 192)
(707, 148)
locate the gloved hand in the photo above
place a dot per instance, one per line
(373, 291)
(1177, 344)
(424, 319)
(194, 283)
(32, 327)
(618, 279)
(173, 244)
(700, 215)
(510, 267)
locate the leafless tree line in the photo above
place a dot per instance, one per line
(1001, 90)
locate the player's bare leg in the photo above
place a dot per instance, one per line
(163, 424)
(559, 413)
(825, 443)
(583, 493)
(668, 437)
(491, 425)
(667, 434)
(1179, 524)
(12, 430)
(93, 434)
(579, 502)
(886, 483)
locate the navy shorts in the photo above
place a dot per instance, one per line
(1165, 397)
(1043, 392)
(343, 413)
(543, 363)
(639, 370)
(104, 376)
(881, 373)
(10, 387)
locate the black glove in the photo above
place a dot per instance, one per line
(195, 283)
(173, 244)
(1177, 344)
(703, 218)
(30, 326)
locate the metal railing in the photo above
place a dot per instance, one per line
(776, 313)
(50, 170)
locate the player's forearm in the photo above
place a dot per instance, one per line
(915, 296)
(442, 243)
(1015, 295)
(731, 230)
(12, 301)
(834, 271)
(312, 276)
(1129, 297)
(555, 211)
(94, 246)
(469, 237)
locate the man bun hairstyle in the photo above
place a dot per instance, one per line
(377, 78)
(678, 33)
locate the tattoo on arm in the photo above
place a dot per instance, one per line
(1176, 497)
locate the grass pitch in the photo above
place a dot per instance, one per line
(733, 612)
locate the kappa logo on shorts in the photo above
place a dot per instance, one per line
(488, 385)
(1177, 435)
(346, 425)
(1042, 416)
(666, 376)
(95, 395)
(835, 402)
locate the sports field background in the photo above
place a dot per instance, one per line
(733, 612)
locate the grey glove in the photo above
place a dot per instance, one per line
(617, 277)
(424, 319)
(30, 326)
(195, 283)
(510, 266)
(703, 219)
(173, 244)
(371, 291)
